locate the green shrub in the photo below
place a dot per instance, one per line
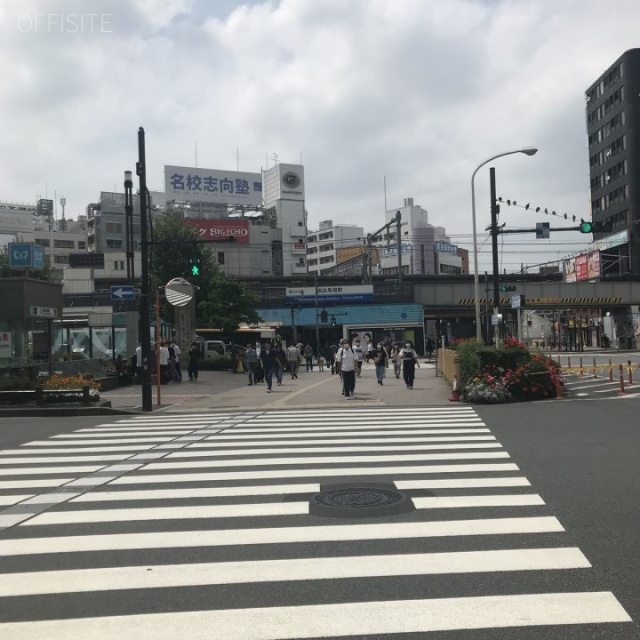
(485, 389)
(471, 356)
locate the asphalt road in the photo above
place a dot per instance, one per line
(579, 457)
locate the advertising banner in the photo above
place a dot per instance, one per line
(594, 265)
(211, 186)
(569, 270)
(221, 230)
(582, 267)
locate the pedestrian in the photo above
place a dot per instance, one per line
(429, 349)
(320, 363)
(269, 364)
(251, 364)
(348, 365)
(234, 359)
(409, 361)
(259, 379)
(294, 359)
(177, 369)
(358, 351)
(380, 359)
(137, 379)
(333, 349)
(164, 363)
(369, 348)
(308, 356)
(194, 364)
(282, 362)
(396, 360)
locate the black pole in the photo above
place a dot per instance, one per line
(494, 249)
(145, 328)
(128, 224)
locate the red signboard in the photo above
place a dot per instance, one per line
(594, 264)
(582, 267)
(222, 230)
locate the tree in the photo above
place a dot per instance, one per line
(48, 274)
(221, 302)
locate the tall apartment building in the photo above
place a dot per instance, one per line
(613, 128)
(325, 245)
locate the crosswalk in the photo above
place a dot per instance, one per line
(600, 387)
(203, 526)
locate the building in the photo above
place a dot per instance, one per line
(425, 249)
(284, 200)
(613, 129)
(330, 245)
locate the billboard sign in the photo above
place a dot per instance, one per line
(569, 270)
(582, 267)
(307, 295)
(26, 255)
(593, 267)
(221, 229)
(211, 186)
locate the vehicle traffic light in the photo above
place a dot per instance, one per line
(324, 316)
(586, 227)
(507, 287)
(333, 321)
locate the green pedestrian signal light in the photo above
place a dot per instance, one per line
(333, 321)
(194, 267)
(586, 227)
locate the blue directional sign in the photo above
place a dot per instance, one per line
(26, 255)
(123, 292)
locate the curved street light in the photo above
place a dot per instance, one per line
(529, 151)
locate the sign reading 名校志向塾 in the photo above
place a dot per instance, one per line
(355, 293)
(209, 185)
(223, 229)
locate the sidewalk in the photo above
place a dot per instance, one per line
(217, 390)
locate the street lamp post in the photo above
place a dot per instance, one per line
(529, 151)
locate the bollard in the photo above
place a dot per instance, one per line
(595, 371)
(455, 394)
(39, 396)
(622, 391)
(610, 371)
(580, 369)
(630, 374)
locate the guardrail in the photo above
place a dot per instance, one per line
(448, 364)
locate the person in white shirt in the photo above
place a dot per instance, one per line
(409, 359)
(177, 371)
(164, 363)
(358, 351)
(348, 365)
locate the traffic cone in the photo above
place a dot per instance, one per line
(455, 394)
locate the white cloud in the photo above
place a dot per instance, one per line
(419, 92)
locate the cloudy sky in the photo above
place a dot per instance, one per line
(414, 93)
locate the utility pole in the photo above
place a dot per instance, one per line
(494, 249)
(399, 239)
(141, 172)
(315, 279)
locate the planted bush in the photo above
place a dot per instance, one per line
(485, 389)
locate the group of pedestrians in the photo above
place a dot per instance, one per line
(348, 363)
(263, 362)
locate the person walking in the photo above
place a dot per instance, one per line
(269, 362)
(348, 365)
(358, 351)
(282, 362)
(409, 361)
(259, 378)
(333, 349)
(194, 364)
(396, 360)
(429, 349)
(294, 359)
(251, 364)
(380, 359)
(308, 356)
(177, 369)
(164, 363)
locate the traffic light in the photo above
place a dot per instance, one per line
(194, 267)
(324, 316)
(586, 227)
(333, 321)
(507, 287)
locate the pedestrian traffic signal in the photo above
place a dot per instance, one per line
(324, 316)
(194, 267)
(586, 227)
(333, 321)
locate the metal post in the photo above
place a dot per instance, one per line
(158, 341)
(315, 280)
(128, 224)
(399, 239)
(494, 249)
(141, 172)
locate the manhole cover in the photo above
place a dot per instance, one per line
(360, 502)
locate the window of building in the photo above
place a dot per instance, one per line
(118, 265)
(61, 259)
(63, 244)
(114, 244)
(220, 257)
(42, 242)
(82, 244)
(113, 227)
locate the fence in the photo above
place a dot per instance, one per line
(448, 364)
